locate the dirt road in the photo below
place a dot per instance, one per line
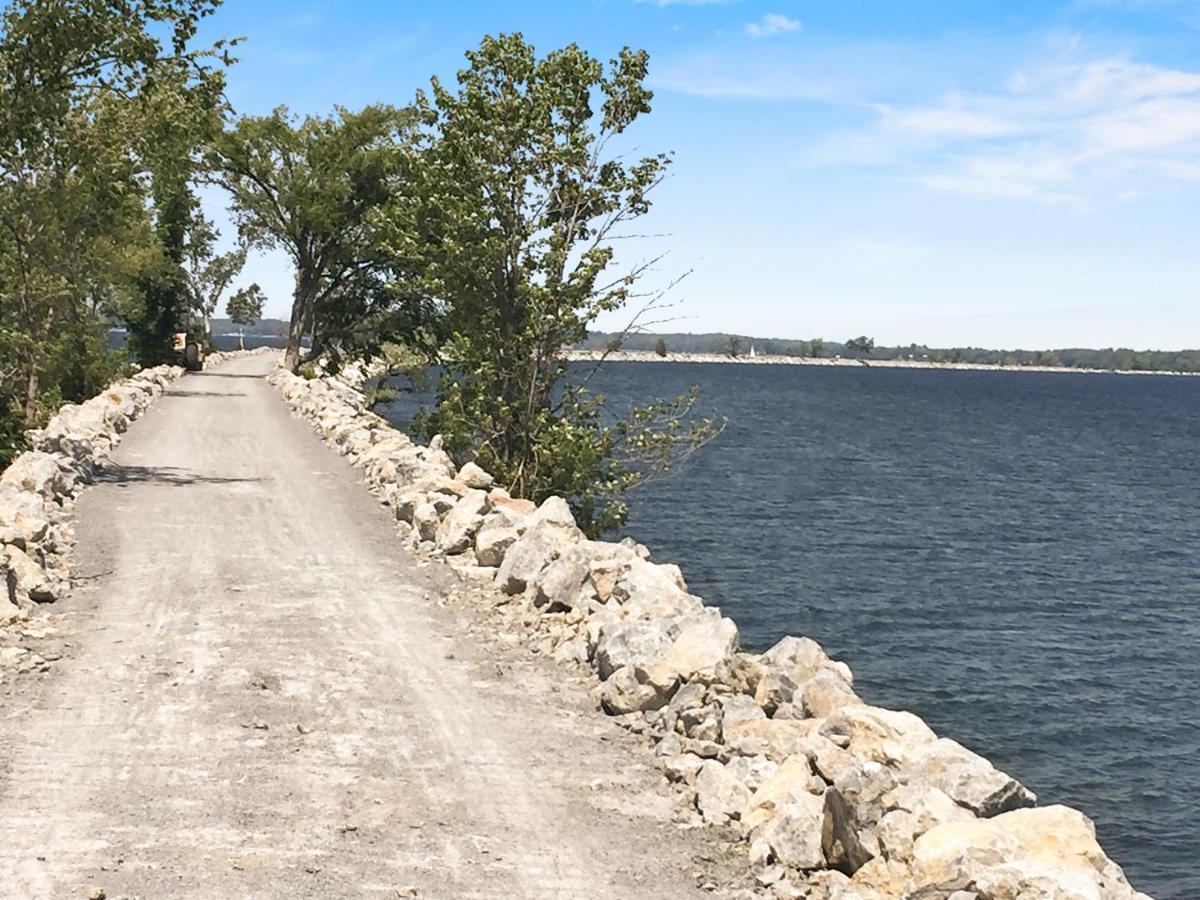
(262, 694)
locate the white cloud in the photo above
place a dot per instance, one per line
(1060, 133)
(772, 24)
(947, 121)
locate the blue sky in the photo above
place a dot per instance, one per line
(1011, 174)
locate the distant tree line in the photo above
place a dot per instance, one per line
(1118, 359)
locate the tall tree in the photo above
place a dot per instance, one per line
(306, 186)
(245, 308)
(83, 86)
(860, 346)
(208, 274)
(511, 209)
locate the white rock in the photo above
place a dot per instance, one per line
(630, 689)
(720, 796)
(425, 520)
(474, 477)
(456, 532)
(537, 548)
(1049, 853)
(969, 779)
(29, 578)
(794, 833)
(647, 590)
(825, 693)
(630, 642)
(683, 767)
(702, 645)
(500, 529)
(752, 771)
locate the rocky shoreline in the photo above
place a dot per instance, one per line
(834, 799)
(774, 360)
(38, 491)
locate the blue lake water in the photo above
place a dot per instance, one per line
(1012, 556)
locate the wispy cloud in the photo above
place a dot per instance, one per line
(772, 24)
(1064, 132)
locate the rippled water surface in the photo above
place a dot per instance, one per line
(1013, 556)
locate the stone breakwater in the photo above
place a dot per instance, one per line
(779, 360)
(37, 493)
(833, 798)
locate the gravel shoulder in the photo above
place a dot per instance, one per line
(261, 693)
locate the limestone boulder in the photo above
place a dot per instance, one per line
(702, 645)
(825, 693)
(784, 815)
(632, 642)
(793, 780)
(800, 658)
(752, 771)
(29, 579)
(683, 767)
(426, 519)
(456, 531)
(632, 689)
(913, 809)
(540, 545)
(854, 804)
(720, 795)
(475, 477)
(554, 510)
(700, 723)
(557, 587)
(738, 707)
(645, 590)
(880, 735)
(967, 778)
(1047, 853)
(794, 833)
(38, 473)
(498, 531)
(775, 739)
(25, 530)
(774, 690)
(500, 499)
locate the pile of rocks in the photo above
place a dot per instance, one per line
(37, 489)
(218, 357)
(833, 797)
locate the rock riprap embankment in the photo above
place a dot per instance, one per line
(38, 489)
(835, 799)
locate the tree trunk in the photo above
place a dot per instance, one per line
(31, 397)
(300, 303)
(241, 338)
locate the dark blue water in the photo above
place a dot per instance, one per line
(1012, 556)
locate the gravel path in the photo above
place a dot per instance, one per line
(262, 694)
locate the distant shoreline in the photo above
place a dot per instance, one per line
(777, 360)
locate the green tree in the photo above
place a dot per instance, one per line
(208, 274)
(307, 186)
(512, 204)
(860, 346)
(816, 347)
(660, 347)
(245, 308)
(84, 88)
